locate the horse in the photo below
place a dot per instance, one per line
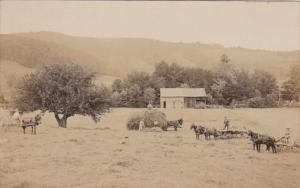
(176, 124)
(210, 131)
(198, 129)
(32, 122)
(259, 139)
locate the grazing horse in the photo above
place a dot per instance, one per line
(259, 139)
(176, 124)
(198, 129)
(31, 122)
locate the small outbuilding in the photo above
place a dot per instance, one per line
(182, 97)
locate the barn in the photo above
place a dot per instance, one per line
(182, 97)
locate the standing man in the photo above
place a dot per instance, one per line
(288, 135)
(16, 117)
(141, 125)
(226, 123)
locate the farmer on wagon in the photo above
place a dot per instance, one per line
(226, 123)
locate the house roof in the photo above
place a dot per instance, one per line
(182, 92)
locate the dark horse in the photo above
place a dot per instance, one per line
(176, 124)
(198, 129)
(259, 139)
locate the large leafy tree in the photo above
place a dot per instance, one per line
(197, 77)
(243, 87)
(224, 87)
(141, 79)
(117, 85)
(65, 90)
(264, 82)
(291, 88)
(173, 74)
(149, 95)
(135, 96)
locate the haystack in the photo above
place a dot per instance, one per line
(149, 116)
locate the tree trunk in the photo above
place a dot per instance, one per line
(62, 122)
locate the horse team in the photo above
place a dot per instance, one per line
(256, 138)
(199, 130)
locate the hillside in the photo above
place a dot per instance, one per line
(143, 54)
(118, 56)
(10, 73)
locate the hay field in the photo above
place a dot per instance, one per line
(88, 155)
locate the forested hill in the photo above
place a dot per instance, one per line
(118, 56)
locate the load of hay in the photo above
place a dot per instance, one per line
(149, 116)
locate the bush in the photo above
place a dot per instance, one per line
(149, 117)
(271, 100)
(292, 104)
(256, 102)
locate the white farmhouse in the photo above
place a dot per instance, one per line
(182, 97)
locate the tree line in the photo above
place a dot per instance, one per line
(225, 85)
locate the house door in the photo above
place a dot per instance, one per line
(164, 104)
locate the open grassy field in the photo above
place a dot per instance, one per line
(107, 155)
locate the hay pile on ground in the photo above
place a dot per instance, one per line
(149, 117)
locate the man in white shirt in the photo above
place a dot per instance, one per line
(141, 125)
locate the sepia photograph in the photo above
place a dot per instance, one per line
(149, 94)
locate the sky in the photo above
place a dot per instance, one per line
(256, 25)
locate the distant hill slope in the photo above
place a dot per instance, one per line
(32, 53)
(118, 56)
(10, 74)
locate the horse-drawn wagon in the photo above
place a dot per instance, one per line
(32, 122)
(15, 119)
(285, 144)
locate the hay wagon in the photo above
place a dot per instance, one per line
(289, 147)
(231, 133)
(13, 119)
(284, 143)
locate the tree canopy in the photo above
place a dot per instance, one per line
(65, 90)
(291, 88)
